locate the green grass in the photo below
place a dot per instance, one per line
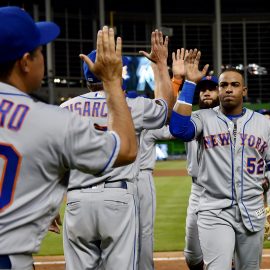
(52, 243)
(172, 200)
(170, 165)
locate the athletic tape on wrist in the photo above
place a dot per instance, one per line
(187, 93)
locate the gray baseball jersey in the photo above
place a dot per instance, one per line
(147, 193)
(147, 146)
(192, 251)
(192, 158)
(238, 178)
(146, 114)
(231, 170)
(102, 222)
(39, 143)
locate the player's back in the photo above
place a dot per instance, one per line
(37, 146)
(146, 114)
(30, 169)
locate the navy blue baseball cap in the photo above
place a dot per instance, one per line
(91, 78)
(207, 80)
(20, 34)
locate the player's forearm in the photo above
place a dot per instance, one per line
(180, 124)
(164, 89)
(120, 121)
(183, 105)
(176, 84)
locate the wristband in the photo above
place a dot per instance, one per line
(177, 81)
(187, 93)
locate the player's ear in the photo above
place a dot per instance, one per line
(245, 91)
(24, 62)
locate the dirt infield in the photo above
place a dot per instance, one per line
(163, 261)
(170, 173)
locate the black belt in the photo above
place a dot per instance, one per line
(5, 262)
(113, 184)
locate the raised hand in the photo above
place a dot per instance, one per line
(159, 48)
(192, 61)
(108, 63)
(178, 63)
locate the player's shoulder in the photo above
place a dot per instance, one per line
(207, 112)
(145, 101)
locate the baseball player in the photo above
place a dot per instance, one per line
(39, 143)
(235, 144)
(101, 217)
(208, 98)
(146, 187)
(147, 193)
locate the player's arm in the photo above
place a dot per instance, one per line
(178, 70)
(159, 55)
(108, 68)
(180, 123)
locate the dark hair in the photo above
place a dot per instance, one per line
(6, 68)
(94, 87)
(234, 70)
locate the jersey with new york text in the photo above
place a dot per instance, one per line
(232, 163)
(146, 114)
(39, 144)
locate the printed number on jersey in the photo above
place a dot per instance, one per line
(254, 166)
(10, 161)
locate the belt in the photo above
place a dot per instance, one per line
(5, 262)
(114, 184)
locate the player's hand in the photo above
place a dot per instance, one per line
(192, 61)
(265, 185)
(159, 48)
(108, 64)
(54, 227)
(178, 63)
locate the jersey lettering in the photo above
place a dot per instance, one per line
(12, 116)
(223, 139)
(11, 161)
(254, 142)
(254, 166)
(94, 109)
(17, 117)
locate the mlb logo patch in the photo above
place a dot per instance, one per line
(260, 212)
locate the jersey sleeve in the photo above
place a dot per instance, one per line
(155, 113)
(87, 149)
(162, 133)
(197, 120)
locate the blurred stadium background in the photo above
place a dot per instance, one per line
(228, 32)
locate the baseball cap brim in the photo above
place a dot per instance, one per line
(48, 31)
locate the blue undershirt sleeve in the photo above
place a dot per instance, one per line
(181, 127)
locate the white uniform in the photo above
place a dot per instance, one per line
(101, 218)
(231, 213)
(35, 155)
(192, 251)
(147, 193)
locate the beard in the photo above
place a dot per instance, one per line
(203, 105)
